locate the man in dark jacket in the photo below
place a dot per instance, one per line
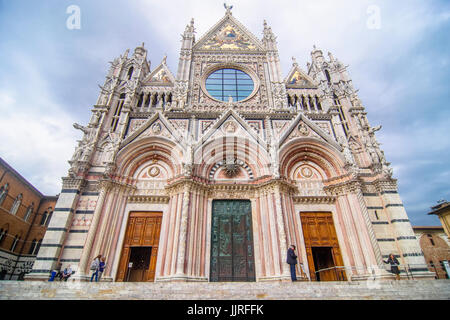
(292, 261)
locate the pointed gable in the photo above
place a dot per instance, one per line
(157, 125)
(229, 34)
(232, 124)
(297, 78)
(160, 76)
(302, 127)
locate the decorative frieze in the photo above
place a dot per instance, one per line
(148, 199)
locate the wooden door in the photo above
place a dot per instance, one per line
(141, 246)
(322, 246)
(232, 257)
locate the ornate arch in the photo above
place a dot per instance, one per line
(328, 160)
(132, 157)
(252, 157)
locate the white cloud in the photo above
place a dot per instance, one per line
(37, 134)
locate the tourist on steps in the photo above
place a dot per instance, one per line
(95, 266)
(101, 267)
(292, 261)
(394, 265)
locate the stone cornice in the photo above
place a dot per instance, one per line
(73, 183)
(344, 187)
(265, 186)
(314, 199)
(148, 199)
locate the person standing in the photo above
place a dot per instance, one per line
(101, 267)
(95, 265)
(292, 261)
(394, 265)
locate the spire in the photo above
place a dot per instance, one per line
(269, 37)
(190, 30)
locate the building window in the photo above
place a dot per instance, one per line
(116, 116)
(327, 74)
(3, 234)
(32, 247)
(38, 246)
(14, 244)
(3, 193)
(430, 237)
(130, 73)
(49, 217)
(29, 212)
(16, 204)
(225, 83)
(44, 218)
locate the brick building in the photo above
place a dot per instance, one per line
(436, 249)
(442, 210)
(24, 216)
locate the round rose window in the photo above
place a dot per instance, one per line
(225, 83)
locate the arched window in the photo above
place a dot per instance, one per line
(38, 246)
(319, 106)
(336, 100)
(16, 204)
(44, 218)
(29, 211)
(311, 103)
(32, 247)
(431, 239)
(130, 73)
(327, 74)
(14, 244)
(116, 116)
(3, 193)
(3, 234)
(49, 216)
(141, 100)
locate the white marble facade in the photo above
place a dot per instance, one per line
(159, 141)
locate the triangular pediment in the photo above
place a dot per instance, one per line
(229, 34)
(302, 127)
(230, 124)
(155, 126)
(297, 78)
(161, 76)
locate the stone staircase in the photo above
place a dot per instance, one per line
(367, 290)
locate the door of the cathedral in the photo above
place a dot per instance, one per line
(140, 249)
(322, 246)
(232, 255)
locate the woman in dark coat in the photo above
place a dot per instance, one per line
(394, 265)
(292, 261)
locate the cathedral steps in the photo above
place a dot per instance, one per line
(379, 290)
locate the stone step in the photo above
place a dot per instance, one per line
(74, 290)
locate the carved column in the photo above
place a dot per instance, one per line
(183, 228)
(281, 230)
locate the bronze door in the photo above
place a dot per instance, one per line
(232, 256)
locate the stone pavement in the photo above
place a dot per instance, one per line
(383, 290)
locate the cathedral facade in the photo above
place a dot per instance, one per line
(210, 174)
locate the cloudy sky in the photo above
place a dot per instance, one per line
(397, 52)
